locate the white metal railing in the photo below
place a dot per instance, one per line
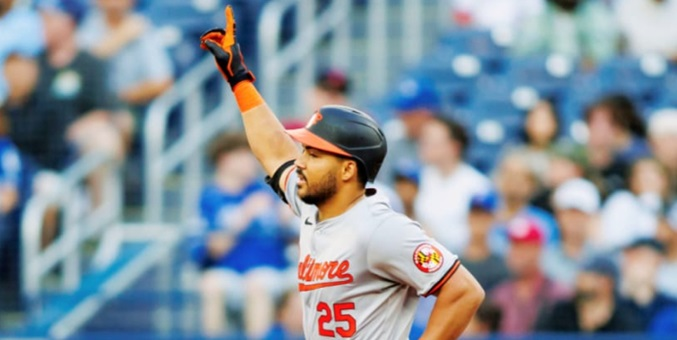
(77, 226)
(276, 60)
(188, 94)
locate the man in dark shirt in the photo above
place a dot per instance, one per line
(489, 269)
(70, 94)
(641, 260)
(595, 306)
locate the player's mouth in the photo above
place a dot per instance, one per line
(302, 178)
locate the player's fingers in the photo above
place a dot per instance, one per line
(213, 32)
(229, 38)
(217, 50)
(215, 36)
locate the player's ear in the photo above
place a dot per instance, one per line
(348, 170)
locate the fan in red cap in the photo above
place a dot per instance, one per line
(525, 230)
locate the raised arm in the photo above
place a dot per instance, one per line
(267, 138)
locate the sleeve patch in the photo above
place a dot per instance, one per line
(428, 258)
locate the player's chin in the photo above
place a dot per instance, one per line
(302, 188)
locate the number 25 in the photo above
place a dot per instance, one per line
(338, 316)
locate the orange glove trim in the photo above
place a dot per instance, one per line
(247, 96)
(229, 38)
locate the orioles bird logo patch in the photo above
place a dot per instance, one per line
(316, 118)
(427, 258)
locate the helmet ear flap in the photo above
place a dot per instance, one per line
(362, 176)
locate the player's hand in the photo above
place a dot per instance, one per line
(223, 45)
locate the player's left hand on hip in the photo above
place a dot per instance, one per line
(222, 43)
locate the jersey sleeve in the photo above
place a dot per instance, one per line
(400, 251)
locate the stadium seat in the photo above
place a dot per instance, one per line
(550, 75)
(471, 41)
(642, 79)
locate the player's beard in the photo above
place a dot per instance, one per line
(321, 191)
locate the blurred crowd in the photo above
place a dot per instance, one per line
(564, 235)
(594, 30)
(75, 78)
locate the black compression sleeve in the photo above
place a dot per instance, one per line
(274, 181)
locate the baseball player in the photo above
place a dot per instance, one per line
(362, 266)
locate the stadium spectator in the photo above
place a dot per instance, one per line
(242, 247)
(576, 204)
(665, 324)
(567, 161)
(415, 102)
(662, 130)
(637, 212)
(540, 131)
(485, 322)
(68, 112)
(616, 140)
(11, 197)
(289, 323)
(140, 67)
(528, 293)
(406, 184)
(595, 307)
(516, 184)
(21, 73)
(332, 87)
(667, 273)
(641, 260)
(648, 27)
(583, 29)
(447, 183)
(502, 16)
(488, 268)
(69, 107)
(28, 44)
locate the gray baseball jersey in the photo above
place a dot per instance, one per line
(360, 273)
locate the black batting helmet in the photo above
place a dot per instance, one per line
(348, 132)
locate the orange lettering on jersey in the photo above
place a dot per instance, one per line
(315, 275)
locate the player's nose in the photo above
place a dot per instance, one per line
(299, 163)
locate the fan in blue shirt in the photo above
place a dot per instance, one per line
(241, 246)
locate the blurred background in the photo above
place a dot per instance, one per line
(537, 139)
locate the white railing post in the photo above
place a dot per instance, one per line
(340, 48)
(153, 146)
(70, 278)
(192, 172)
(377, 63)
(305, 20)
(155, 129)
(269, 31)
(443, 15)
(412, 31)
(31, 235)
